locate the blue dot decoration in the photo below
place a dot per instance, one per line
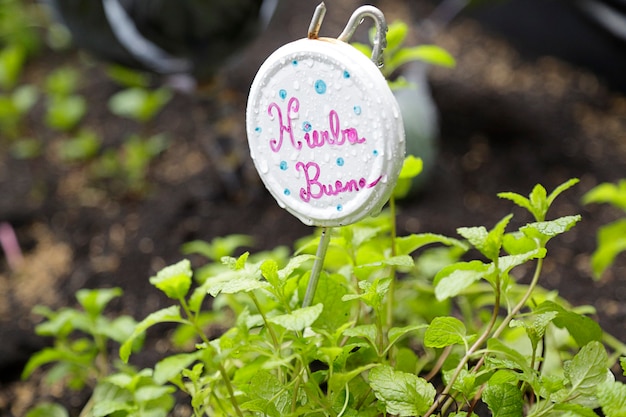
(340, 162)
(287, 192)
(339, 207)
(258, 130)
(294, 62)
(282, 94)
(283, 165)
(320, 87)
(357, 110)
(375, 152)
(306, 126)
(346, 74)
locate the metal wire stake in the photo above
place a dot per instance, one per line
(317, 266)
(316, 21)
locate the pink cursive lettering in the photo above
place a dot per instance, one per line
(292, 109)
(335, 135)
(317, 139)
(315, 189)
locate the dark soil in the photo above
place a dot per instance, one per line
(508, 121)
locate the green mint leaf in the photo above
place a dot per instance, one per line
(622, 362)
(61, 323)
(536, 328)
(518, 199)
(47, 410)
(139, 104)
(504, 400)
(24, 97)
(612, 398)
(614, 194)
(430, 54)
(111, 407)
(396, 35)
(465, 383)
(239, 278)
(293, 264)
(269, 270)
(558, 190)
(488, 243)
(508, 262)
(174, 280)
(574, 410)
(152, 392)
(218, 248)
(539, 201)
(273, 397)
(402, 393)
(64, 112)
(476, 236)
(582, 328)
(611, 242)
(445, 331)
(493, 244)
(411, 167)
(172, 366)
(587, 370)
(167, 315)
(49, 355)
(118, 329)
(400, 260)
(513, 358)
(395, 333)
(336, 312)
(94, 301)
(517, 243)
(545, 230)
(299, 319)
(454, 279)
(365, 331)
(409, 244)
(373, 292)
(338, 380)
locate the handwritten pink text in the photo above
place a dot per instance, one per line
(335, 135)
(315, 189)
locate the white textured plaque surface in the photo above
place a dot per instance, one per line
(325, 132)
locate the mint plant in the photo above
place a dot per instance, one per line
(611, 237)
(382, 335)
(138, 103)
(64, 107)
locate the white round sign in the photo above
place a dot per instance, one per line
(325, 132)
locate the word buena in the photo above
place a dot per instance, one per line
(315, 139)
(316, 190)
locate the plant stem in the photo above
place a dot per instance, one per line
(221, 369)
(481, 340)
(269, 328)
(317, 267)
(522, 302)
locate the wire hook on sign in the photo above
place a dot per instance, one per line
(380, 41)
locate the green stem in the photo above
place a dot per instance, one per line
(269, 328)
(317, 267)
(221, 369)
(481, 340)
(522, 302)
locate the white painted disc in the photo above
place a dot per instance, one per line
(325, 132)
